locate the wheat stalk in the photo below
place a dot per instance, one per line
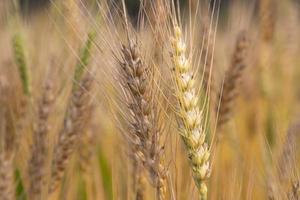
(192, 131)
(37, 169)
(267, 19)
(288, 157)
(7, 145)
(19, 54)
(144, 133)
(85, 56)
(6, 177)
(295, 193)
(74, 125)
(78, 112)
(229, 92)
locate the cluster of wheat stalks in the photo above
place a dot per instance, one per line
(186, 101)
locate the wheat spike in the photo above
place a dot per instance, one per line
(74, 125)
(267, 19)
(7, 145)
(20, 60)
(37, 169)
(192, 131)
(295, 193)
(85, 56)
(144, 133)
(288, 157)
(229, 92)
(6, 177)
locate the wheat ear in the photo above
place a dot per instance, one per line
(137, 77)
(7, 146)
(78, 112)
(20, 61)
(74, 125)
(192, 131)
(37, 163)
(295, 193)
(286, 161)
(229, 92)
(288, 155)
(267, 19)
(85, 56)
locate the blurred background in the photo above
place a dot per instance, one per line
(32, 6)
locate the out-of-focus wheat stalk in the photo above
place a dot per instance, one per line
(86, 147)
(74, 125)
(295, 192)
(288, 158)
(7, 144)
(21, 63)
(192, 130)
(74, 24)
(267, 19)
(75, 121)
(286, 163)
(229, 92)
(85, 56)
(36, 166)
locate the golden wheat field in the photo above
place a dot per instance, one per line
(149, 99)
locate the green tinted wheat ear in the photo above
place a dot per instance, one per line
(73, 128)
(21, 62)
(229, 92)
(36, 166)
(85, 56)
(136, 76)
(192, 130)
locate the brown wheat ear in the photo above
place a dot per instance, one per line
(288, 155)
(74, 125)
(136, 76)
(7, 145)
(229, 92)
(267, 19)
(295, 193)
(37, 163)
(286, 161)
